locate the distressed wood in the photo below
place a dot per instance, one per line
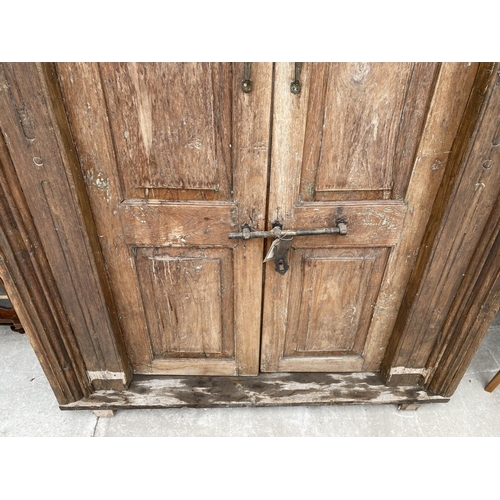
(476, 304)
(450, 96)
(309, 157)
(331, 321)
(413, 119)
(362, 105)
(264, 390)
(188, 298)
(365, 119)
(31, 287)
(459, 216)
(159, 223)
(87, 112)
(37, 136)
(190, 166)
(171, 125)
(166, 167)
(369, 223)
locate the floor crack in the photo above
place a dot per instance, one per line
(95, 426)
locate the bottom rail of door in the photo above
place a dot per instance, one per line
(274, 389)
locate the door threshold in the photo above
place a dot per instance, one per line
(268, 389)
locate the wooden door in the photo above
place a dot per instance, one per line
(365, 143)
(175, 157)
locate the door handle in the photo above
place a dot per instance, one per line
(283, 240)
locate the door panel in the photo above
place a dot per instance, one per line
(352, 130)
(189, 167)
(171, 126)
(332, 290)
(336, 155)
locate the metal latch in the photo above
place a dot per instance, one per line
(283, 240)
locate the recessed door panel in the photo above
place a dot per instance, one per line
(171, 126)
(334, 292)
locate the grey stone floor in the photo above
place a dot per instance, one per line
(28, 408)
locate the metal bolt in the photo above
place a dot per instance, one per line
(295, 87)
(246, 86)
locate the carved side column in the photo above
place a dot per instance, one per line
(38, 151)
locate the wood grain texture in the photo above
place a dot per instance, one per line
(251, 154)
(188, 299)
(474, 307)
(363, 125)
(42, 153)
(428, 170)
(297, 174)
(331, 320)
(86, 108)
(459, 216)
(286, 161)
(360, 124)
(171, 124)
(265, 390)
(32, 289)
(480, 303)
(372, 223)
(155, 143)
(159, 223)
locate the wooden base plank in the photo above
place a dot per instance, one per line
(276, 389)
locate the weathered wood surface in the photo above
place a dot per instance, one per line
(32, 290)
(356, 130)
(37, 136)
(461, 212)
(475, 306)
(176, 155)
(328, 321)
(159, 223)
(446, 109)
(316, 157)
(264, 390)
(171, 125)
(369, 223)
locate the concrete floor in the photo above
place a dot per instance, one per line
(28, 408)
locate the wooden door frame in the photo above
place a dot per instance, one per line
(49, 257)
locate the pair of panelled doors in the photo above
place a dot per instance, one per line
(177, 156)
